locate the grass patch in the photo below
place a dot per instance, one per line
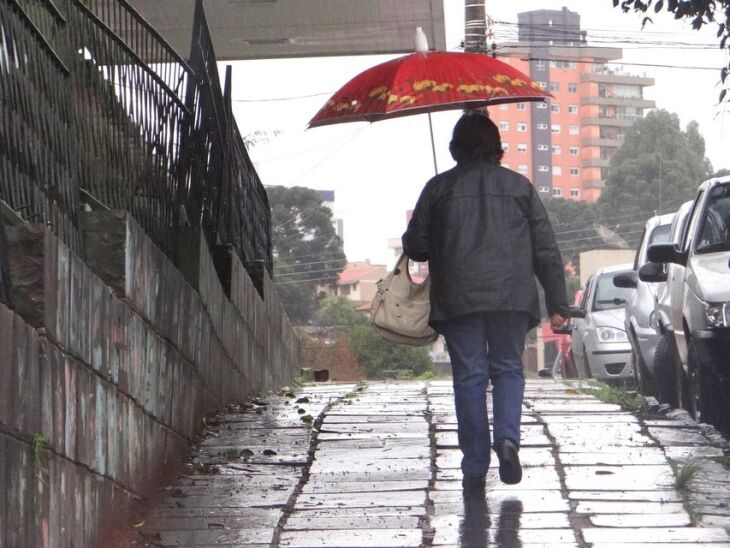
(686, 474)
(628, 401)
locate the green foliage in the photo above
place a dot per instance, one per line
(686, 474)
(377, 356)
(658, 167)
(699, 13)
(307, 251)
(628, 401)
(339, 312)
(572, 222)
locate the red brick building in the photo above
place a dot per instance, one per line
(564, 145)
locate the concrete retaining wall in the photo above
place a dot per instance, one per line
(102, 397)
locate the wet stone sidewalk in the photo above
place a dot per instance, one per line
(342, 465)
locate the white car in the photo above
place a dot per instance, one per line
(697, 309)
(598, 341)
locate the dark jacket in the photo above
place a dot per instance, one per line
(485, 234)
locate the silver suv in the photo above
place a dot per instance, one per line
(698, 289)
(640, 321)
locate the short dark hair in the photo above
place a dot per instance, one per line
(476, 138)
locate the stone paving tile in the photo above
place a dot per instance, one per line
(352, 538)
(656, 535)
(382, 469)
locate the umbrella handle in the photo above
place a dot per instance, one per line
(433, 146)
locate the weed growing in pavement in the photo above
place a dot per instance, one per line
(686, 474)
(628, 401)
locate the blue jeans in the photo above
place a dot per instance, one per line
(484, 347)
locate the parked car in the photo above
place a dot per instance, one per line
(639, 321)
(698, 313)
(600, 347)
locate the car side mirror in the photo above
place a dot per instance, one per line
(666, 253)
(653, 273)
(626, 279)
(577, 312)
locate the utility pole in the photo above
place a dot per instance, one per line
(475, 26)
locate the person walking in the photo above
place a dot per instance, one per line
(486, 235)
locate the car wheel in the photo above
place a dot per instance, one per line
(700, 401)
(642, 377)
(666, 365)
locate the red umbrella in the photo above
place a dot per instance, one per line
(427, 82)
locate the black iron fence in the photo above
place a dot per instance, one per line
(97, 111)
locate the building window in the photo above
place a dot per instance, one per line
(344, 290)
(521, 147)
(572, 109)
(543, 169)
(574, 130)
(554, 86)
(556, 149)
(522, 168)
(557, 192)
(504, 126)
(575, 193)
(540, 64)
(542, 147)
(574, 172)
(541, 105)
(574, 151)
(503, 106)
(555, 129)
(521, 106)
(572, 87)
(542, 85)
(557, 170)
(544, 189)
(521, 127)
(555, 107)
(542, 125)
(505, 146)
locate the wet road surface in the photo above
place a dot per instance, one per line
(342, 465)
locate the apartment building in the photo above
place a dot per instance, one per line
(564, 145)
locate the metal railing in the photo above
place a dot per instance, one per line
(98, 111)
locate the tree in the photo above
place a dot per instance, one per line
(339, 312)
(657, 167)
(572, 222)
(700, 12)
(376, 355)
(307, 251)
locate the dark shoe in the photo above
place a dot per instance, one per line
(473, 483)
(510, 471)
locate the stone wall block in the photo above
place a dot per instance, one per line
(7, 364)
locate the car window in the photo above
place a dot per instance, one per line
(586, 292)
(693, 219)
(660, 235)
(607, 295)
(640, 251)
(714, 234)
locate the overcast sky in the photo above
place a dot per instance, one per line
(378, 170)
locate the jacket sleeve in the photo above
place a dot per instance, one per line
(546, 257)
(415, 238)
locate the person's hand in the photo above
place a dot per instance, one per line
(558, 320)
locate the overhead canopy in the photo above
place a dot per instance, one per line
(260, 29)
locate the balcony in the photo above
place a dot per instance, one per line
(614, 122)
(608, 143)
(595, 162)
(617, 78)
(594, 184)
(638, 102)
